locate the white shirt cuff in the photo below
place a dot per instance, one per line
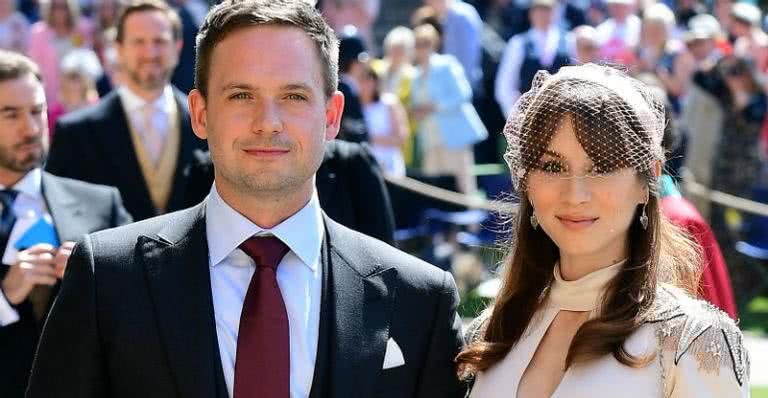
(8, 315)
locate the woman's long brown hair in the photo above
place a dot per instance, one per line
(660, 253)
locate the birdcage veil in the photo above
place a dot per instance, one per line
(617, 119)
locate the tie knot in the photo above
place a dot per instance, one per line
(266, 251)
(7, 196)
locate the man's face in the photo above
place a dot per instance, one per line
(148, 52)
(701, 48)
(266, 116)
(540, 17)
(740, 28)
(23, 124)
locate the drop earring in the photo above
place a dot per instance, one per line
(644, 217)
(534, 221)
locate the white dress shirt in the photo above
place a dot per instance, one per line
(507, 84)
(29, 207)
(299, 276)
(163, 107)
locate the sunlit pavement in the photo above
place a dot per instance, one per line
(758, 355)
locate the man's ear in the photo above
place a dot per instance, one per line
(198, 114)
(334, 108)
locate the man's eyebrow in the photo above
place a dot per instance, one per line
(237, 86)
(297, 86)
(248, 87)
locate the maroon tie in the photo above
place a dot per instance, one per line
(262, 365)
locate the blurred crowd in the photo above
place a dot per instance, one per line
(457, 70)
(430, 97)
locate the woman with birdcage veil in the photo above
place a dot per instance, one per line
(598, 292)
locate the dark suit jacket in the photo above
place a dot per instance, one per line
(136, 311)
(350, 186)
(94, 145)
(184, 75)
(353, 126)
(77, 208)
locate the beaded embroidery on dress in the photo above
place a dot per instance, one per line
(686, 326)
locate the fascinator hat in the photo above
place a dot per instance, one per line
(618, 120)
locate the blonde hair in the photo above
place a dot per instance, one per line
(400, 37)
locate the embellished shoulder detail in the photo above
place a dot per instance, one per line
(476, 328)
(687, 325)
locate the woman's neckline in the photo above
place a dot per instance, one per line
(583, 294)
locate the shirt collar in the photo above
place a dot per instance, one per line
(227, 229)
(133, 102)
(30, 184)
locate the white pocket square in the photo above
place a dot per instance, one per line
(394, 356)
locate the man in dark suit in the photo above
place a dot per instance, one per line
(138, 138)
(352, 55)
(350, 186)
(254, 292)
(184, 75)
(38, 212)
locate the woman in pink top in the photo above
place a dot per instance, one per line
(61, 30)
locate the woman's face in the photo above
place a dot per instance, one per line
(585, 212)
(653, 33)
(587, 51)
(424, 48)
(59, 12)
(367, 86)
(73, 89)
(397, 55)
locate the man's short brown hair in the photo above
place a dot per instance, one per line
(148, 5)
(233, 15)
(14, 65)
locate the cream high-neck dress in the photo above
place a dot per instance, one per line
(699, 346)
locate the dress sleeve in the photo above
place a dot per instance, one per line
(703, 353)
(693, 381)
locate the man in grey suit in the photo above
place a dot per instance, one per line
(40, 216)
(254, 292)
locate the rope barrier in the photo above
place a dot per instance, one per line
(475, 202)
(445, 195)
(694, 188)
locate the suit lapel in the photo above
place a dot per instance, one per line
(176, 265)
(65, 209)
(359, 304)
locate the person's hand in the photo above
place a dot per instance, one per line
(34, 266)
(62, 255)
